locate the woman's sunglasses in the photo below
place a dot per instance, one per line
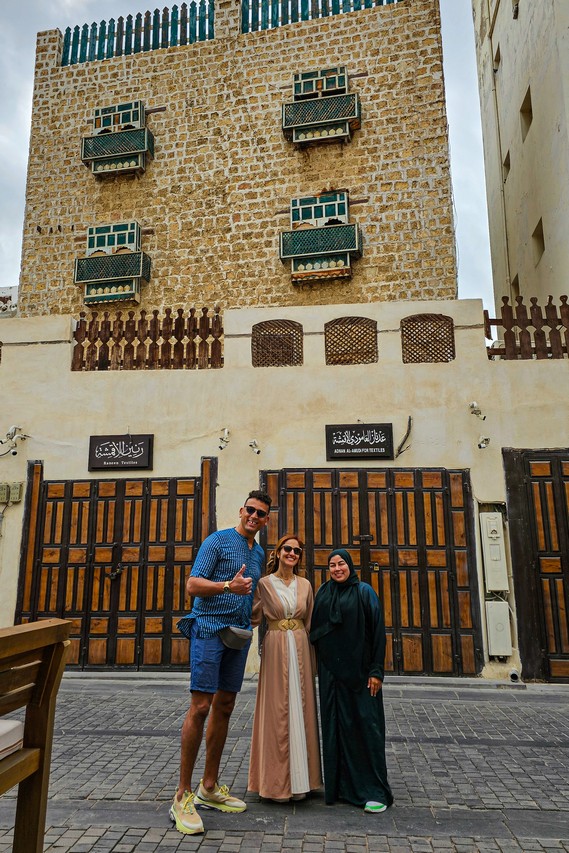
(288, 548)
(251, 510)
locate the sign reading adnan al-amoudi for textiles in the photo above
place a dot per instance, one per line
(120, 451)
(359, 441)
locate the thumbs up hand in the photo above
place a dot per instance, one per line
(241, 585)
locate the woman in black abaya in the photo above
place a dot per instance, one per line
(349, 635)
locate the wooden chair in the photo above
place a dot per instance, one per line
(32, 660)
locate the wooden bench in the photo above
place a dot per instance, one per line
(32, 659)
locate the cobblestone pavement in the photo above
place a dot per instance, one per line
(473, 767)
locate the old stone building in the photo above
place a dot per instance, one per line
(218, 192)
(239, 269)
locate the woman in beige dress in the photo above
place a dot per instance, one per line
(285, 751)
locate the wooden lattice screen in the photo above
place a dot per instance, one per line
(277, 343)
(351, 340)
(427, 338)
(527, 336)
(157, 344)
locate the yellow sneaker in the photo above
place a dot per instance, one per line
(219, 798)
(184, 814)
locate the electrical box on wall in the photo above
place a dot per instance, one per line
(10, 493)
(498, 626)
(494, 552)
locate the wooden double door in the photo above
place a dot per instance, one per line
(410, 535)
(113, 556)
(537, 485)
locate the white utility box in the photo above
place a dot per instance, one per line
(494, 552)
(498, 625)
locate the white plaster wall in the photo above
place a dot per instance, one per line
(284, 409)
(533, 52)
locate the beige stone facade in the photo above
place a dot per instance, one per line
(213, 201)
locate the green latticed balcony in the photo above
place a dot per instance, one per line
(329, 240)
(318, 254)
(335, 116)
(114, 267)
(123, 151)
(111, 268)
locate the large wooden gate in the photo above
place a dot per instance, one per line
(113, 556)
(410, 535)
(538, 510)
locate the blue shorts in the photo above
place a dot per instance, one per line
(213, 666)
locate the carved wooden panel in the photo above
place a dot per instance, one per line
(538, 508)
(113, 556)
(409, 533)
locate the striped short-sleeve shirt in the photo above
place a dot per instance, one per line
(219, 558)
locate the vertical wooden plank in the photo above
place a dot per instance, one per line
(208, 485)
(102, 40)
(65, 55)
(202, 21)
(442, 654)
(184, 24)
(92, 42)
(539, 524)
(128, 36)
(563, 616)
(75, 45)
(468, 654)
(165, 27)
(111, 39)
(137, 46)
(156, 29)
(548, 610)
(32, 511)
(551, 517)
(428, 516)
(119, 44)
(440, 516)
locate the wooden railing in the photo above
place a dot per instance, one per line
(190, 23)
(529, 335)
(268, 14)
(159, 343)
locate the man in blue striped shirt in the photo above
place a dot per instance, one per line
(222, 582)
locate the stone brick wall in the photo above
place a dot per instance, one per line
(216, 196)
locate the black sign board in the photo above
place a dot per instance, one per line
(120, 451)
(359, 441)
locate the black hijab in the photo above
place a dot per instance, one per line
(338, 628)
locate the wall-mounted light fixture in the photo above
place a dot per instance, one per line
(13, 436)
(224, 439)
(476, 410)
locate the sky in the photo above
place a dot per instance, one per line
(22, 19)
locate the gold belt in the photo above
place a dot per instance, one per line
(285, 624)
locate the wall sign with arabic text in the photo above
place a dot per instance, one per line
(359, 441)
(120, 451)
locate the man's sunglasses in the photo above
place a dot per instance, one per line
(288, 548)
(251, 510)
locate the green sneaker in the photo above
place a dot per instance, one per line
(219, 798)
(184, 814)
(375, 808)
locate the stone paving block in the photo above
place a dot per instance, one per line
(463, 765)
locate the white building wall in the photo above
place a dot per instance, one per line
(285, 409)
(516, 54)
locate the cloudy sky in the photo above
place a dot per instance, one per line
(21, 19)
